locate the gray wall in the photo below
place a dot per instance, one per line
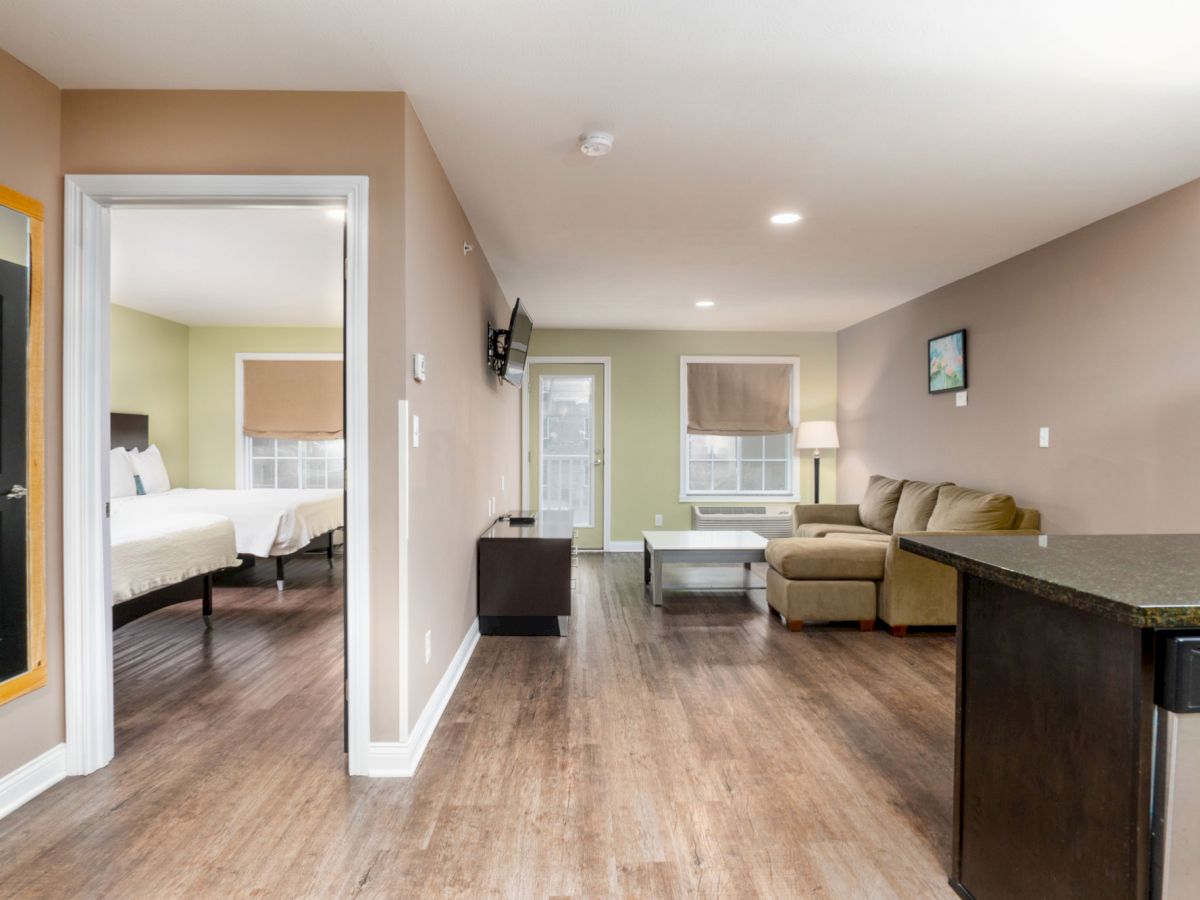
(1096, 335)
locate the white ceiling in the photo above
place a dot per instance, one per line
(922, 140)
(246, 266)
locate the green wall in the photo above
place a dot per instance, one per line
(211, 353)
(645, 408)
(149, 374)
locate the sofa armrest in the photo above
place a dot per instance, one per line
(824, 514)
(917, 590)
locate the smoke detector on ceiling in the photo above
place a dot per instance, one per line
(596, 143)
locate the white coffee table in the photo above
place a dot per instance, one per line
(698, 547)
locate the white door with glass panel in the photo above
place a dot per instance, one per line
(566, 444)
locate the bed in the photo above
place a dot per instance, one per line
(268, 523)
(166, 559)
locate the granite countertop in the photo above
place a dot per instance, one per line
(1144, 580)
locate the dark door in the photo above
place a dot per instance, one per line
(14, 329)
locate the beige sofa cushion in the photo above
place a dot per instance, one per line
(878, 507)
(820, 530)
(917, 500)
(827, 559)
(963, 509)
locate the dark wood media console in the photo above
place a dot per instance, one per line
(526, 575)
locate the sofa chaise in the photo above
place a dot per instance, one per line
(843, 556)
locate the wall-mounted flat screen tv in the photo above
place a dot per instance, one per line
(507, 350)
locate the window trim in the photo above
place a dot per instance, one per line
(794, 410)
(241, 458)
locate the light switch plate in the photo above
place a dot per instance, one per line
(416, 431)
(658, 519)
(960, 399)
(418, 366)
(1043, 437)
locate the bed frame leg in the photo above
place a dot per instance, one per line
(329, 549)
(279, 573)
(206, 601)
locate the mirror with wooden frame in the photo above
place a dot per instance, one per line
(22, 502)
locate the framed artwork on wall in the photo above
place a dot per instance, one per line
(948, 362)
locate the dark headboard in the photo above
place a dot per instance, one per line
(131, 430)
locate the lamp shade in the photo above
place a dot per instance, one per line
(817, 436)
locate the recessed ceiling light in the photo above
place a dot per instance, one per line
(786, 218)
(704, 304)
(336, 214)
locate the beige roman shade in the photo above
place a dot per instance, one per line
(739, 398)
(292, 398)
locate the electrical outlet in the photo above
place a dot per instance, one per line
(658, 519)
(1044, 437)
(501, 482)
(960, 399)
(428, 645)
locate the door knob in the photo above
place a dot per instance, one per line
(16, 492)
(597, 459)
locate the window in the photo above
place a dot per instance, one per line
(742, 465)
(283, 463)
(723, 464)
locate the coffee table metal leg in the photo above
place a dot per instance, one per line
(656, 564)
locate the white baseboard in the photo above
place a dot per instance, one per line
(624, 547)
(399, 759)
(41, 773)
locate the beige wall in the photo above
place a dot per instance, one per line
(211, 418)
(645, 408)
(1096, 335)
(148, 368)
(29, 163)
(468, 422)
(286, 133)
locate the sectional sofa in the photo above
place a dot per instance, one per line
(845, 564)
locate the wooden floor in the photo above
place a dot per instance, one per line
(699, 749)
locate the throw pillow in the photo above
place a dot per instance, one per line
(878, 507)
(962, 509)
(916, 506)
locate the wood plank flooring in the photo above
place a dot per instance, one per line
(695, 750)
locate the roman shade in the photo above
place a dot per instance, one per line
(292, 398)
(739, 398)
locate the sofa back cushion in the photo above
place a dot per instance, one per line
(963, 509)
(916, 506)
(878, 507)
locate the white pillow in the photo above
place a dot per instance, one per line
(120, 474)
(148, 465)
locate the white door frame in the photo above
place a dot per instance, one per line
(239, 403)
(87, 609)
(606, 362)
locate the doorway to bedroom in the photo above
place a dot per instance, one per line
(227, 461)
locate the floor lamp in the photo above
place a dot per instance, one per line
(817, 436)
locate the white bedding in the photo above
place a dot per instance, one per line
(150, 552)
(266, 522)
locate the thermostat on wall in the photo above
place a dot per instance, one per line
(419, 366)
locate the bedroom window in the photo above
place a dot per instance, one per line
(284, 463)
(736, 427)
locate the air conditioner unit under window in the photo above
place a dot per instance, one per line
(769, 521)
